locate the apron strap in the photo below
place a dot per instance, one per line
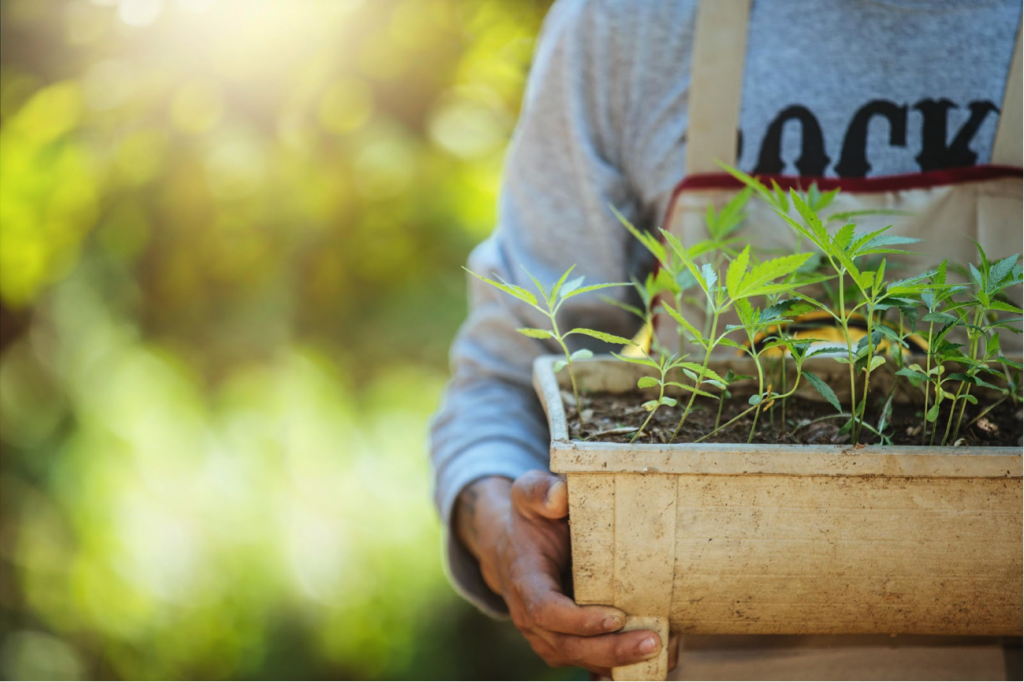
(716, 83)
(1006, 150)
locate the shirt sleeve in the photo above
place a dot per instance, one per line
(562, 173)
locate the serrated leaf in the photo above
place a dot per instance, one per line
(592, 287)
(645, 361)
(1004, 307)
(940, 318)
(647, 382)
(767, 271)
(678, 317)
(510, 289)
(824, 389)
(603, 336)
(650, 241)
(702, 371)
(915, 378)
(709, 275)
(843, 236)
(1000, 270)
(571, 286)
(737, 268)
(561, 280)
(691, 389)
(535, 333)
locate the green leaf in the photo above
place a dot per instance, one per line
(690, 329)
(709, 275)
(570, 286)
(737, 268)
(651, 405)
(561, 280)
(581, 354)
(941, 318)
(539, 286)
(933, 413)
(769, 270)
(1000, 270)
(1004, 307)
(650, 242)
(754, 399)
(610, 338)
(535, 333)
(843, 236)
(702, 371)
(876, 362)
(518, 292)
(671, 402)
(824, 389)
(691, 389)
(645, 361)
(592, 287)
(647, 382)
(559, 366)
(915, 378)
(969, 398)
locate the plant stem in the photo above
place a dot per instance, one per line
(760, 390)
(844, 319)
(785, 372)
(744, 413)
(928, 372)
(841, 415)
(568, 364)
(985, 412)
(707, 359)
(718, 419)
(867, 379)
(661, 394)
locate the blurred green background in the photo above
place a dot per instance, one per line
(230, 239)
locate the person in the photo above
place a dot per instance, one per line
(903, 98)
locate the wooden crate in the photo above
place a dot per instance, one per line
(784, 539)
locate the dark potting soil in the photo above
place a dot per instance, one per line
(612, 417)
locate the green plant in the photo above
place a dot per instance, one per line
(664, 364)
(553, 298)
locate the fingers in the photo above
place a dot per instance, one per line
(606, 651)
(541, 606)
(537, 493)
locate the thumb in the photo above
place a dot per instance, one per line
(538, 493)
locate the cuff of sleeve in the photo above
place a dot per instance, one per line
(482, 460)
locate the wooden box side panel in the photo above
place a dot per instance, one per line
(847, 555)
(592, 532)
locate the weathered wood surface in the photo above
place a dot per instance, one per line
(735, 539)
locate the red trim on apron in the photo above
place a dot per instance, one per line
(883, 183)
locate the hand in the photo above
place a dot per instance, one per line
(518, 532)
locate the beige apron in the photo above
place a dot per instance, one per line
(949, 208)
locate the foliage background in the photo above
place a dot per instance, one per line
(230, 238)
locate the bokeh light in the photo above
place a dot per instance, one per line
(230, 238)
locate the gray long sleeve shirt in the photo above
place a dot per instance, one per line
(841, 89)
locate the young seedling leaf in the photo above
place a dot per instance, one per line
(702, 371)
(603, 336)
(510, 289)
(561, 280)
(651, 405)
(592, 287)
(824, 389)
(678, 317)
(933, 413)
(940, 318)
(647, 382)
(559, 365)
(671, 402)
(535, 333)
(645, 361)
(570, 286)
(581, 354)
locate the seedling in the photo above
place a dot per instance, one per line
(552, 299)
